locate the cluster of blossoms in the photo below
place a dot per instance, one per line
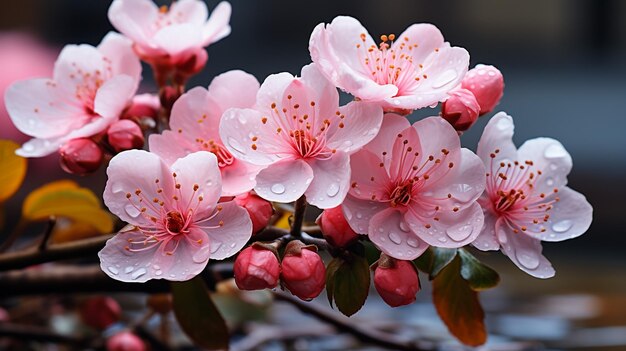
(206, 184)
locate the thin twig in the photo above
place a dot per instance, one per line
(41, 334)
(16, 233)
(298, 217)
(365, 334)
(52, 221)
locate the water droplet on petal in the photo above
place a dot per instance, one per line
(202, 254)
(459, 232)
(555, 151)
(403, 227)
(549, 181)
(113, 270)
(132, 210)
(359, 215)
(117, 187)
(412, 242)
(332, 190)
(277, 188)
(156, 266)
(28, 147)
(463, 192)
(233, 143)
(528, 259)
(395, 238)
(562, 226)
(138, 273)
(444, 78)
(215, 247)
(128, 269)
(159, 272)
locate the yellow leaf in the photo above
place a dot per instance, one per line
(67, 230)
(12, 169)
(283, 221)
(64, 198)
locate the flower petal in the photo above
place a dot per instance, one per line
(238, 178)
(325, 93)
(391, 234)
(237, 129)
(118, 51)
(234, 89)
(195, 116)
(272, 90)
(498, 135)
(284, 181)
(368, 178)
(133, 18)
(439, 140)
(178, 38)
(234, 232)
(524, 251)
(189, 11)
(453, 229)
(359, 212)
(569, 218)
(76, 64)
(549, 156)
(217, 27)
(331, 180)
(361, 124)
(113, 96)
(198, 169)
(486, 240)
(39, 147)
(171, 146)
(392, 125)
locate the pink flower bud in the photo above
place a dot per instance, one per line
(461, 109)
(487, 85)
(143, 105)
(256, 268)
(80, 156)
(303, 271)
(396, 281)
(4, 315)
(193, 64)
(260, 210)
(100, 312)
(125, 341)
(335, 228)
(125, 135)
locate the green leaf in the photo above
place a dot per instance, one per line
(479, 276)
(458, 305)
(441, 258)
(348, 282)
(197, 315)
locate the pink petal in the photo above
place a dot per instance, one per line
(230, 237)
(325, 93)
(368, 178)
(238, 178)
(392, 125)
(549, 156)
(135, 170)
(189, 11)
(525, 252)
(391, 234)
(569, 218)
(453, 229)
(486, 240)
(359, 212)
(118, 50)
(195, 115)
(435, 135)
(272, 90)
(171, 146)
(178, 38)
(427, 36)
(199, 168)
(236, 128)
(297, 100)
(284, 181)
(361, 124)
(75, 62)
(331, 181)
(39, 147)
(134, 18)
(38, 107)
(498, 135)
(400, 156)
(217, 26)
(234, 89)
(114, 95)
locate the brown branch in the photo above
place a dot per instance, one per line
(298, 217)
(52, 221)
(56, 252)
(365, 334)
(41, 334)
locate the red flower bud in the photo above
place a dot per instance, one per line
(125, 135)
(260, 210)
(143, 105)
(487, 84)
(303, 271)
(335, 228)
(396, 281)
(4, 315)
(461, 109)
(100, 312)
(125, 341)
(256, 268)
(80, 156)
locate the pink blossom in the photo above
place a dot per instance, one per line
(298, 131)
(526, 198)
(487, 84)
(414, 186)
(174, 35)
(177, 224)
(90, 88)
(413, 70)
(195, 121)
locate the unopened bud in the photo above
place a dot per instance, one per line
(125, 341)
(260, 210)
(303, 271)
(487, 84)
(100, 312)
(193, 64)
(396, 281)
(125, 135)
(80, 156)
(461, 109)
(143, 105)
(335, 228)
(256, 268)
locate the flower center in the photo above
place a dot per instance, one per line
(401, 195)
(305, 144)
(174, 222)
(224, 157)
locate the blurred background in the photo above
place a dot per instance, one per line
(564, 64)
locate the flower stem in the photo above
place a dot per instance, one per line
(298, 217)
